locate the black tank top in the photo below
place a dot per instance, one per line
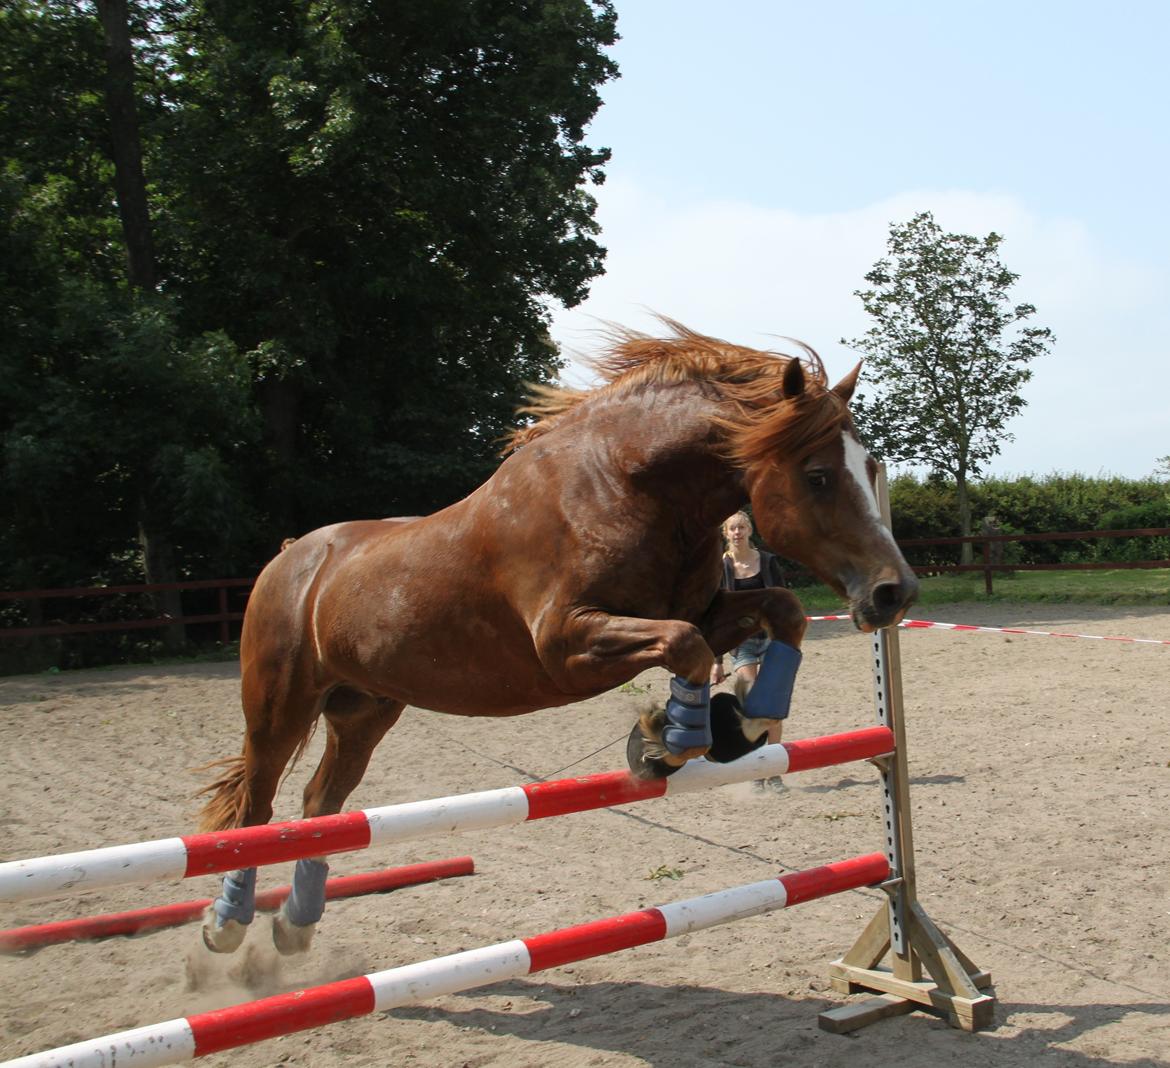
(752, 582)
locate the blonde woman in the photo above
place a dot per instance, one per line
(748, 568)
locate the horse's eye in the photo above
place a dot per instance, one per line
(818, 479)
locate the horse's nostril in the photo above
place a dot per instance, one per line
(888, 596)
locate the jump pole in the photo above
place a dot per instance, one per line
(953, 986)
(212, 1032)
(139, 921)
(273, 843)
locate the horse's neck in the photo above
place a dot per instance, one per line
(672, 457)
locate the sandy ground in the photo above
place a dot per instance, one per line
(1040, 772)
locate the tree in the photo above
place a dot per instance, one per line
(947, 353)
(320, 292)
(376, 201)
(119, 437)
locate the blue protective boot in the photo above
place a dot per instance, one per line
(771, 695)
(688, 716)
(237, 898)
(294, 924)
(770, 698)
(306, 900)
(226, 921)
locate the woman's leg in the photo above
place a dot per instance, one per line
(745, 676)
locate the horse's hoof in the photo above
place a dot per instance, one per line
(727, 729)
(642, 765)
(222, 938)
(288, 938)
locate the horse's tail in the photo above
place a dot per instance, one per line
(229, 796)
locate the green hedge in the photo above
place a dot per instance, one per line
(928, 508)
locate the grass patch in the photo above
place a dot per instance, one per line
(1044, 587)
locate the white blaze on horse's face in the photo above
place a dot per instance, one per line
(857, 462)
(867, 611)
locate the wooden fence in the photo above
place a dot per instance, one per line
(224, 614)
(992, 560)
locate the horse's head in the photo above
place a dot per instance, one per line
(811, 484)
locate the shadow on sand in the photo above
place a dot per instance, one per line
(692, 1026)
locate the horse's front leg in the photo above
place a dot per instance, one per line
(732, 617)
(596, 651)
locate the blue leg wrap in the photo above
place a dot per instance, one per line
(237, 898)
(688, 716)
(771, 695)
(306, 903)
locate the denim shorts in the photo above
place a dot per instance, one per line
(749, 651)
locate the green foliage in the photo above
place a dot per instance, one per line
(1153, 513)
(380, 198)
(1028, 505)
(121, 416)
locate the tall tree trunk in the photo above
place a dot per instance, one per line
(126, 146)
(158, 557)
(967, 555)
(158, 565)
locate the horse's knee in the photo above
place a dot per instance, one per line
(784, 617)
(685, 651)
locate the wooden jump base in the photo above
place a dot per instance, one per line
(211, 1032)
(139, 921)
(205, 854)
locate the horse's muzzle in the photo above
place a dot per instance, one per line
(885, 603)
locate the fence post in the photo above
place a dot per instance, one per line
(987, 566)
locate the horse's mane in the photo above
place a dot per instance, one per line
(758, 420)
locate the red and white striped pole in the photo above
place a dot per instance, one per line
(273, 843)
(240, 1025)
(138, 921)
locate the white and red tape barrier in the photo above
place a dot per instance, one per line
(211, 1032)
(926, 624)
(273, 843)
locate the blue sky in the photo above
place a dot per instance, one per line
(761, 150)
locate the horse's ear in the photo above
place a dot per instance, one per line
(844, 389)
(792, 384)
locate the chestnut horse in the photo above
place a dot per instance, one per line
(592, 554)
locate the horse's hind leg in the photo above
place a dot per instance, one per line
(279, 721)
(356, 724)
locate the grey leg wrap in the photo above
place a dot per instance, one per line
(771, 695)
(237, 898)
(688, 716)
(306, 902)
